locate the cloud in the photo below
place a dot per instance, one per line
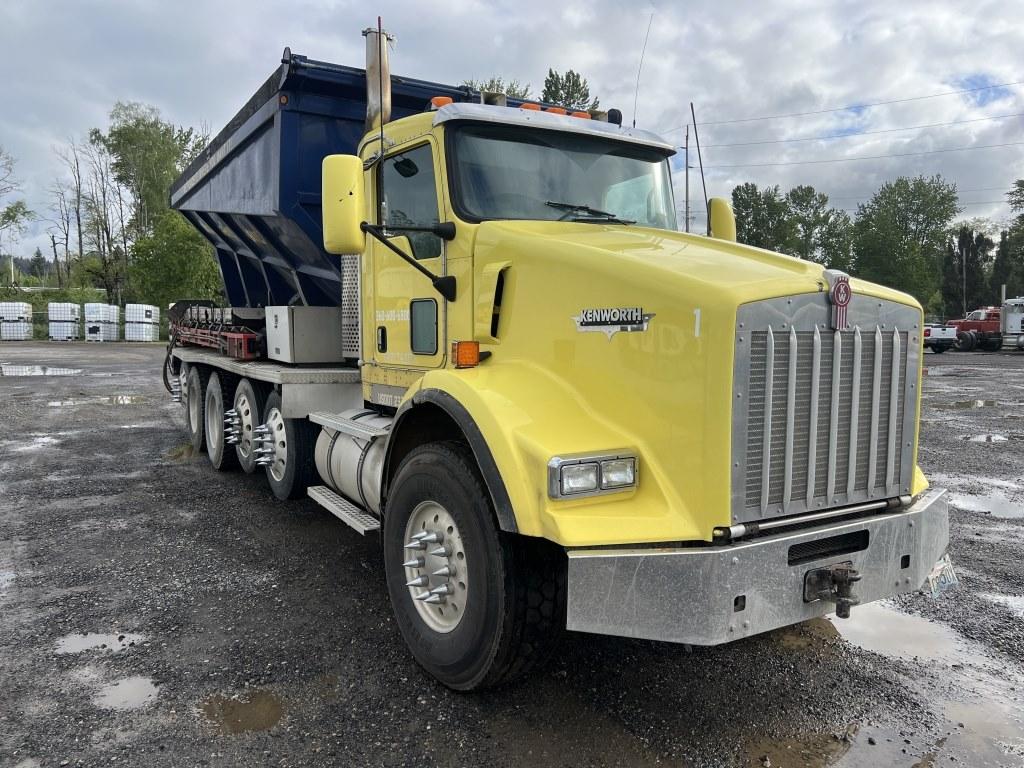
(67, 64)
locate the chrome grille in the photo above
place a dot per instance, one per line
(823, 418)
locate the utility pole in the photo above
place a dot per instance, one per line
(686, 164)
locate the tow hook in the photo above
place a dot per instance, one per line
(834, 584)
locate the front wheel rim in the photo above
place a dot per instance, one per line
(435, 566)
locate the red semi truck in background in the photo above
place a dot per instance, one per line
(988, 327)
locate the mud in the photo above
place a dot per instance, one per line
(241, 631)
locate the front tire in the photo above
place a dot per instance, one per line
(292, 466)
(502, 597)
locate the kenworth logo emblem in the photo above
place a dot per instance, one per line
(839, 295)
(611, 321)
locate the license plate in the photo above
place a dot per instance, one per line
(942, 578)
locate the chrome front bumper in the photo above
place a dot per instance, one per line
(713, 595)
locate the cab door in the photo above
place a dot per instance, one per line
(408, 315)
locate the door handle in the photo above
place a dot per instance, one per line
(382, 339)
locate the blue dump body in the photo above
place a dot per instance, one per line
(254, 192)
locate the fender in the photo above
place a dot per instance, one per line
(516, 416)
(481, 452)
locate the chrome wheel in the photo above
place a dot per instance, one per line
(274, 450)
(244, 423)
(435, 568)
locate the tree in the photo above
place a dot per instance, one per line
(174, 262)
(570, 90)
(8, 183)
(901, 234)
(14, 218)
(147, 153)
(513, 88)
(835, 241)
(39, 267)
(963, 270)
(762, 217)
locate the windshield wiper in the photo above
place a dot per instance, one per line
(601, 220)
(571, 208)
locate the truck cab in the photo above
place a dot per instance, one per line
(566, 414)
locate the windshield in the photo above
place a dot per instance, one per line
(503, 172)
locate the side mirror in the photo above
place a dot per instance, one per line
(721, 219)
(343, 204)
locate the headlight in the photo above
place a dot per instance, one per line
(579, 478)
(617, 473)
(586, 475)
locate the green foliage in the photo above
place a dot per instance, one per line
(174, 262)
(963, 271)
(14, 218)
(148, 154)
(763, 217)
(513, 88)
(570, 90)
(901, 234)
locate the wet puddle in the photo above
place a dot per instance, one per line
(878, 627)
(90, 641)
(6, 579)
(36, 370)
(812, 751)
(255, 711)
(987, 722)
(1014, 603)
(996, 503)
(102, 400)
(181, 452)
(992, 438)
(35, 443)
(129, 693)
(964, 404)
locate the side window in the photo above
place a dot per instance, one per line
(423, 324)
(410, 198)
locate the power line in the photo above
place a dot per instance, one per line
(867, 157)
(853, 106)
(865, 133)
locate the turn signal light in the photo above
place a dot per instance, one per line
(583, 115)
(466, 354)
(557, 110)
(437, 102)
(530, 105)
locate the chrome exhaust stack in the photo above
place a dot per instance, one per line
(378, 78)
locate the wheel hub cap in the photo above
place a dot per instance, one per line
(435, 566)
(272, 450)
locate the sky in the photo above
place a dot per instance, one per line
(69, 61)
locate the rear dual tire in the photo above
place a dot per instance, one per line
(220, 389)
(195, 406)
(293, 467)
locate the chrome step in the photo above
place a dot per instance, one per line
(343, 509)
(348, 426)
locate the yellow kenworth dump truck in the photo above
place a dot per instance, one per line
(470, 323)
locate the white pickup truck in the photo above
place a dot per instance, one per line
(939, 338)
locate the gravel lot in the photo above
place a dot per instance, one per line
(154, 612)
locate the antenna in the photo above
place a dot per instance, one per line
(707, 212)
(380, 86)
(636, 92)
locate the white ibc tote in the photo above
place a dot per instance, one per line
(141, 322)
(101, 322)
(15, 321)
